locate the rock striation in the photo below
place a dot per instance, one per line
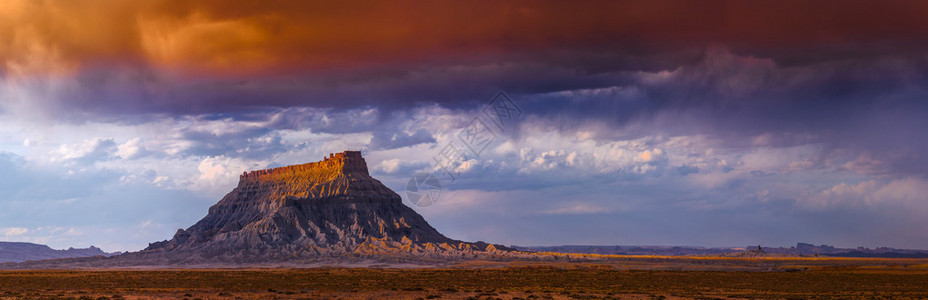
(328, 208)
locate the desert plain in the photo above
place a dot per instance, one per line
(585, 277)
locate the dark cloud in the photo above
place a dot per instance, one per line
(247, 142)
(398, 139)
(208, 57)
(850, 106)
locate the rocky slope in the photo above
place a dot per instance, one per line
(323, 209)
(18, 252)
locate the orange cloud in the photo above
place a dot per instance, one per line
(203, 43)
(220, 37)
(56, 36)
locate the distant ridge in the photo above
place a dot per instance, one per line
(629, 250)
(20, 252)
(801, 249)
(806, 249)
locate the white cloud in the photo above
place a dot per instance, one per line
(389, 166)
(219, 174)
(15, 231)
(910, 192)
(544, 150)
(130, 149)
(72, 232)
(89, 150)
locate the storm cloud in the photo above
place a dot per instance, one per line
(662, 115)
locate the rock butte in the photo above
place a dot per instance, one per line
(328, 208)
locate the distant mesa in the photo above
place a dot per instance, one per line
(806, 249)
(800, 250)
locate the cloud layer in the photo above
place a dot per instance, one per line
(644, 122)
(82, 57)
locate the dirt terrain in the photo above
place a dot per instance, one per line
(641, 278)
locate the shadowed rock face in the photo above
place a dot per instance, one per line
(328, 207)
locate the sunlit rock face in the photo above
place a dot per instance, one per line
(326, 208)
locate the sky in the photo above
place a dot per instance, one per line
(712, 123)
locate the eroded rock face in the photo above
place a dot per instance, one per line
(328, 207)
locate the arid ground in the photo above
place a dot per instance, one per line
(622, 277)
